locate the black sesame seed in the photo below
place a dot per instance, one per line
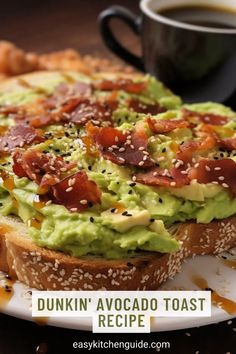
(125, 213)
(113, 210)
(103, 171)
(224, 257)
(157, 164)
(90, 168)
(152, 220)
(57, 150)
(163, 150)
(160, 200)
(129, 264)
(67, 134)
(132, 184)
(45, 151)
(92, 219)
(90, 204)
(129, 215)
(130, 191)
(117, 182)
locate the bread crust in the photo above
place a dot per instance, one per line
(50, 270)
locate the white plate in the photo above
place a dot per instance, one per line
(220, 277)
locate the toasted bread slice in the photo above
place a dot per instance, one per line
(45, 269)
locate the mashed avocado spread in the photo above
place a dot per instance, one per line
(137, 200)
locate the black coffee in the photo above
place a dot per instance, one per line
(207, 16)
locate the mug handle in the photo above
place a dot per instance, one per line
(112, 43)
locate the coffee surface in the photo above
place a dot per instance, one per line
(207, 16)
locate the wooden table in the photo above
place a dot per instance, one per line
(52, 25)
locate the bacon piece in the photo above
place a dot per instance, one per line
(82, 88)
(127, 85)
(75, 110)
(221, 171)
(123, 148)
(162, 126)
(163, 178)
(9, 109)
(63, 92)
(88, 110)
(189, 148)
(18, 136)
(40, 121)
(108, 136)
(17, 164)
(207, 118)
(45, 169)
(140, 107)
(228, 144)
(76, 192)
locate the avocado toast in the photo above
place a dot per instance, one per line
(110, 181)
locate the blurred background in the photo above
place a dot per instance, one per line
(50, 25)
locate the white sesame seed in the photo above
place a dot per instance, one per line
(83, 201)
(141, 163)
(69, 189)
(225, 185)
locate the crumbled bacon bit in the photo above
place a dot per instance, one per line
(207, 118)
(221, 171)
(158, 177)
(63, 92)
(79, 196)
(18, 136)
(140, 107)
(127, 85)
(228, 144)
(94, 111)
(122, 148)
(189, 148)
(45, 169)
(162, 126)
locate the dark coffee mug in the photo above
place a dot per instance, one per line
(197, 62)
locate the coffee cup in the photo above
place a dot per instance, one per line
(197, 61)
